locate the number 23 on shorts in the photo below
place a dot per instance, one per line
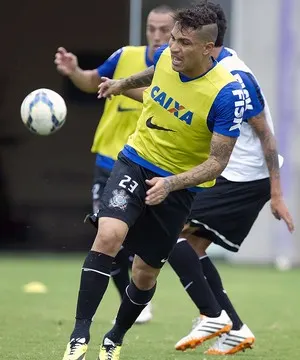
(128, 183)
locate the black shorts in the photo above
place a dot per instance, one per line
(101, 176)
(153, 230)
(225, 213)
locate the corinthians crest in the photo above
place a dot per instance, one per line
(119, 199)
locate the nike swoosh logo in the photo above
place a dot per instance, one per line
(150, 125)
(124, 109)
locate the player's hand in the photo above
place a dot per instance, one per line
(66, 62)
(280, 211)
(159, 190)
(109, 87)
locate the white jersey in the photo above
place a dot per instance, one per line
(247, 162)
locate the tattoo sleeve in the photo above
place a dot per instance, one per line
(141, 79)
(220, 150)
(268, 142)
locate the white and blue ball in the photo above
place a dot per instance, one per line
(43, 111)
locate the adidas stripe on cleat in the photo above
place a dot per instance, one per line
(205, 328)
(233, 342)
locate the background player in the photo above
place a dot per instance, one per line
(225, 213)
(120, 115)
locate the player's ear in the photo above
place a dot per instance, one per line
(208, 48)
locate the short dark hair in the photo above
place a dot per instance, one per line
(221, 20)
(163, 9)
(196, 17)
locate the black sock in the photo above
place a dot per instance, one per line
(134, 301)
(94, 280)
(185, 262)
(215, 282)
(120, 271)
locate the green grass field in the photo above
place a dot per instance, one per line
(37, 326)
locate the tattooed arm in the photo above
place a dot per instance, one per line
(138, 80)
(220, 151)
(268, 143)
(110, 87)
(260, 125)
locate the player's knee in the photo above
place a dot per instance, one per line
(110, 236)
(199, 244)
(187, 230)
(201, 252)
(143, 275)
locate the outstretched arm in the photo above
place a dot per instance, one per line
(116, 87)
(67, 65)
(135, 94)
(268, 143)
(140, 79)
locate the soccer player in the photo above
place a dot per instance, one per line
(120, 115)
(225, 213)
(192, 113)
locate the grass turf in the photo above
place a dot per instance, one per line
(37, 326)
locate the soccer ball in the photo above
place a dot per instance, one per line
(43, 111)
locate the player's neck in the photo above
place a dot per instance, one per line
(216, 52)
(201, 69)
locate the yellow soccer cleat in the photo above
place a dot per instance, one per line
(109, 350)
(76, 349)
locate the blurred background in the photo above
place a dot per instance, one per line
(45, 182)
